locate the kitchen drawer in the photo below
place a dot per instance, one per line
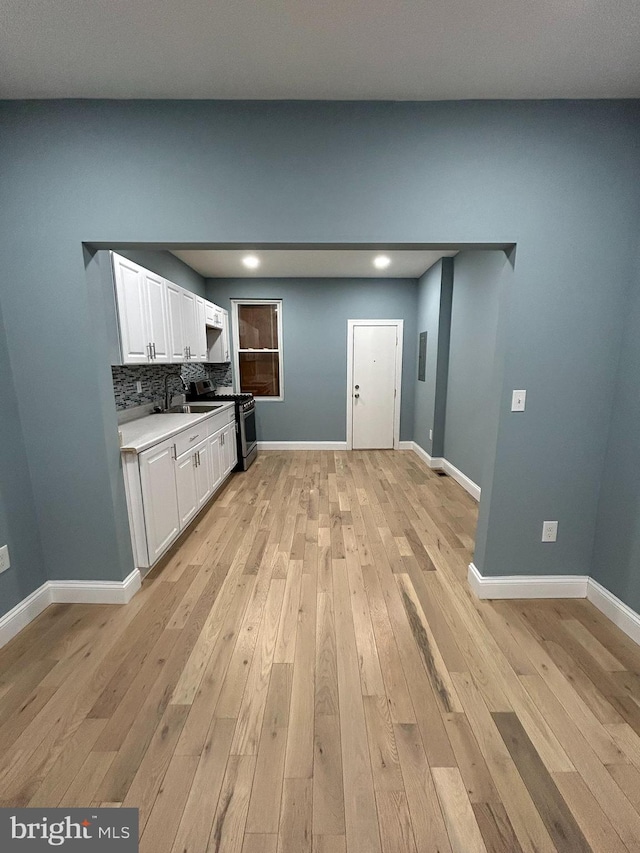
(188, 439)
(218, 421)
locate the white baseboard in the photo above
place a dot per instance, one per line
(438, 463)
(620, 613)
(527, 586)
(67, 592)
(302, 445)
(23, 613)
(96, 592)
(467, 484)
(558, 586)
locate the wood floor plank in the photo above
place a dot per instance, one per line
(426, 814)
(328, 793)
(462, 826)
(615, 804)
(329, 844)
(597, 828)
(397, 692)
(326, 692)
(165, 815)
(148, 777)
(475, 773)
(396, 832)
(286, 642)
(299, 760)
(360, 807)
(385, 764)
(295, 834)
(249, 724)
(557, 817)
(258, 843)
(527, 823)
(197, 819)
(227, 833)
(495, 828)
(266, 792)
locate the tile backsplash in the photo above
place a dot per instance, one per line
(151, 376)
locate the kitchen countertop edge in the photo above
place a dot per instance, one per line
(134, 438)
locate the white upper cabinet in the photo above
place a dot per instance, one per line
(159, 321)
(177, 346)
(213, 315)
(201, 353)
(133, 311)
(219, 350)
(156, 297)
(189, 325)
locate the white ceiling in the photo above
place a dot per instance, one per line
(310, 263)
(336, 49)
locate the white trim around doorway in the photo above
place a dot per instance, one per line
(351, 324)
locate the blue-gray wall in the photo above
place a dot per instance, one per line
(314, 325)
(560, 179)
(477, 280)
(428, 320)
(435, 293)
(18, 520)
(616, 555)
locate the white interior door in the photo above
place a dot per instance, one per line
(375, 352)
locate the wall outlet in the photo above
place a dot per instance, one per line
(139, 387)
(518, 399)
(5, 562)
(430, 435)
(549, 531)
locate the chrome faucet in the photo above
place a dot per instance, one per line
(168, 395)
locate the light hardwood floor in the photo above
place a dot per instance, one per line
(309, 673)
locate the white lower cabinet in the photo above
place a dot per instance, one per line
(160, 498)
(229, 449)
(193, 481)
(166, 488)
(215, 458)
(204, 483)
(186, 486)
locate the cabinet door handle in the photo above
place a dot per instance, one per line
(174, 453)
(154, 351)
(149, 356)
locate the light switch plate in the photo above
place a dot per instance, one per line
(4, 558)
(518, 400)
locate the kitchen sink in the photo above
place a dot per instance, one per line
(204, 407)
(173, 410)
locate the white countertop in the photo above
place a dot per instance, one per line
(139, 435)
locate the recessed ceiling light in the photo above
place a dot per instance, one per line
(381, 262)
(251, 262)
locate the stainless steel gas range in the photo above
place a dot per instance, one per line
(204, 390)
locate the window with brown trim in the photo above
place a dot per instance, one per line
(257, 328)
